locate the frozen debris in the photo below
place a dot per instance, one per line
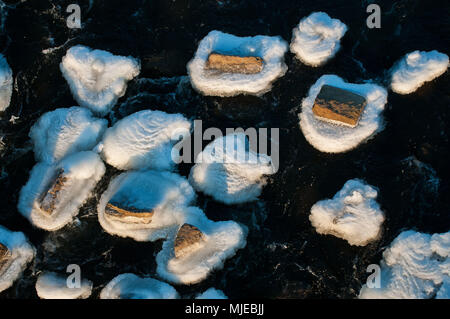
(157, 201)
(15, 254)
(416, 68)
(55, 192)
(353, 214)
(332, 138)
(248, 54)
(97, 78)
(65, 131)
(229, 171)
(220, 241)
(212, 293)
(144, 140)
(415, 266)
(50, 285)
(316, 39)
(130, 286)
(6, 83)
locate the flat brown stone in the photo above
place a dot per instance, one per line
(339, 106)
(5, 255)
(50, 197)
(119, 211)
(234, 64)
(188, 237)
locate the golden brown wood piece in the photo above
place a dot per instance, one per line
(187, 237)
(50, 197)
(234, 64)
(114, 209)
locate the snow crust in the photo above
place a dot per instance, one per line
(212, 293)
(6, 82)
(50, 285)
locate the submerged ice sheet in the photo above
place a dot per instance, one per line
(163, 193)
(144, 140)
(212, 293)
(50, 285)
(130, 286)
(416, 68)
(82, 172)
(353, 214)
(416, 265)
(317, 37)
(270, 49)
(229, 171)
(97, 78)
(221, 241)
(19, 254)
(6, 82)
(332, 138)
(65, 131)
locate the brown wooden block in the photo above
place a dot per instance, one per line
(50, 197)
(188, 237)
(234, 64)
(118, 211)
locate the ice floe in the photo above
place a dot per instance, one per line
(416, 68)
(6, 82)
(162, 196)
(212, 293)
(130, 286)
(144, 140)
(317, 37)
(15, 254)
(97, 78)
(353, 214)
(229, 171)
(65, 131)
(55, 192)
(220, 240)
(50, 285)
(210, 82)
(332, 138)
(414, 266)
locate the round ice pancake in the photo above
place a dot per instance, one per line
(50, 285)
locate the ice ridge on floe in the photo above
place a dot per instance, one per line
(50, 285)
(6, 83)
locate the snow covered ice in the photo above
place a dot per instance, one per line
(130, 286)
(229, 171)
(81, 170)
(209, 82)
(144, 140)
(317, 37)
(353, 214)
(221, 241)
(6, 83)
(212, 293)
(50, 285)
(416, 68)
(65, 131)
(97, 78)
(19, 254)
(414, 266)
(166, 194)
(332, 138)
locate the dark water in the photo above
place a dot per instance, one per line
(285, 257)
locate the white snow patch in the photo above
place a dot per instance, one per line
(317, 37)
(83, 170)
(21, 252)
(353, 214)
(97, 78)
(212, 293)
(270, 49)
(6, 82)
(416, 68)
(415, 266)
(130, 286)
(144, 140)
(50, 285)
(332, 138)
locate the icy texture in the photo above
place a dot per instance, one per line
(416, 265)
(144, 140)
(130, 286)
(50, 285)
(97, 78)
(65, 131)
(270, 49)
(229, 171)
(317, 37)
(212, 293)
(6, 82)
(21, 254)
(352, 214)
(416, 68)
(83, 169)
(166, 193)
(333, 138)
(222, 240)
